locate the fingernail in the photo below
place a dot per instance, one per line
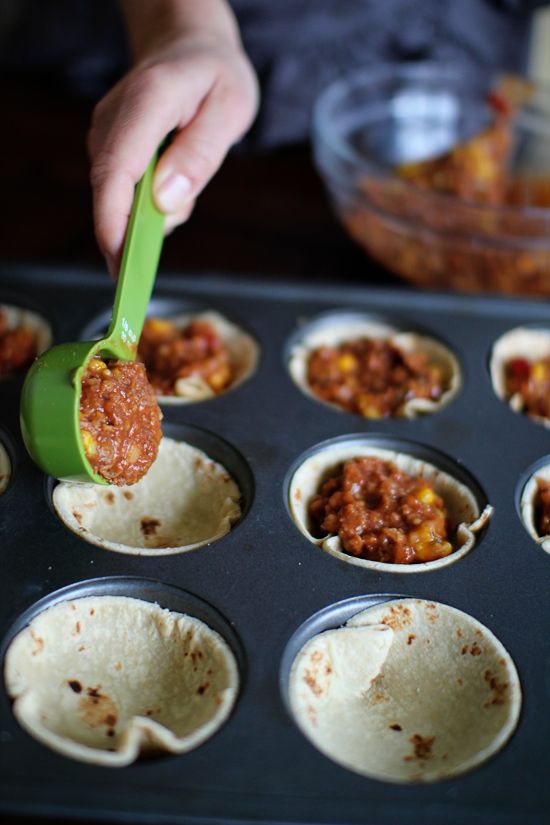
(172, 192)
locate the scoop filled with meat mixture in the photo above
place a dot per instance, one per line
(520, 371)
(383, 509)
(119, 420)
(194, 357)
(371, 369)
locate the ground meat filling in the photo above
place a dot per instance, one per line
(119, 420)
(372, 377)
(542, 507)
(171, 354)
(18, 347)
(382, 514)
(530, 380)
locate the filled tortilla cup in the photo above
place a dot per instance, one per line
(520, 342)
(527, 506)
(16, 318)
(243, 353)
(343, 329)
(5, 468)
(406, 691)
(186, 500)
(104, 679)
(463, 512)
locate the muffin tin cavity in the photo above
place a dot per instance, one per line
(467, 508)
(242, 349)
(526, 347)
(532, 494)
(112, 669)
(33, 332)
(332, 329)
(342, 676)
(197, 489)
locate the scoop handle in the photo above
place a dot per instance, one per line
(138, 270)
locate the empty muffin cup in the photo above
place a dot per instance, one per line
(406, 691)
(186, 500)
(105, 679)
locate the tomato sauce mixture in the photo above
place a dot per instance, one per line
(372, 377)
(119, 420)
(382, 513)
(531, 381)
(18, 347)
(170, 353)
(542, 507)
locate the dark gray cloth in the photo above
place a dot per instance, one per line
(297, 46)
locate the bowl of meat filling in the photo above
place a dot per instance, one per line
(384, 508)
(441, 174)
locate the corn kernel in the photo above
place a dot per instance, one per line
(96, 365)
(159, 326)
(367, 406)
(539, 372)
(426, 495)
(133, 454)
(218, 379)
(346, 362)
(88, 442)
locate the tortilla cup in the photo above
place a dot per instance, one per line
(186, 500)
(243, 355)
(520, 342)
(406, 691)
(103, 679)
(462, 507)
(527, 506)
(20, 317)
(349, 328)
(5, 469)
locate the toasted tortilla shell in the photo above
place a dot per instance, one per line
(527, 506)
(407, 691)
(343, 330)
(5, 469)
(462, 507)
(520, 342)
(103, 679)
(243, 355)
(20, 317)
(186, 500)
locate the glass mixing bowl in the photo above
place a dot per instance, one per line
(367, 124)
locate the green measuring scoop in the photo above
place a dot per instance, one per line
(50, 397)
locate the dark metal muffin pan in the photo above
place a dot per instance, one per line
(265, 579)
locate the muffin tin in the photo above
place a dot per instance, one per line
(262, 582)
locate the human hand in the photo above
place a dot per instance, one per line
(199, 84)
